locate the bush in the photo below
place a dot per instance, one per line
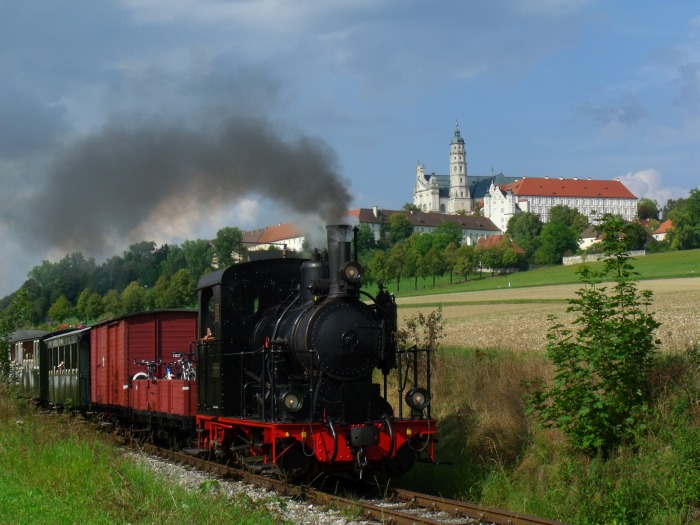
(600, 393)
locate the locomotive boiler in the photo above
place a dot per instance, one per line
(295, 366)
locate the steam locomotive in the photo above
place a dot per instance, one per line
(294, 369)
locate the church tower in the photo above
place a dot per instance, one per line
(459, 199)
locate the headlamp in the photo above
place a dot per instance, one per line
(418, 398)
(292, 402)
(351, 272)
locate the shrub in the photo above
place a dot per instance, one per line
(600, 390)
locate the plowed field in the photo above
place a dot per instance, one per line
(516, 318)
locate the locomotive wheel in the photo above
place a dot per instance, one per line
(293, 464)
(402, 462)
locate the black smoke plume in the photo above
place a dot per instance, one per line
(106, 185)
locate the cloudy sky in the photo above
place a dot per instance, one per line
(164, 120)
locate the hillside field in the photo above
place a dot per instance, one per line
(516, 318)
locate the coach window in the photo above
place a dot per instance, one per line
(70, 362)
(28, 352)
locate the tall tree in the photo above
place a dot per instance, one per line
(112, 303)
(635, 236)
(181, 292)
(173, 261)
(434, 263)
(140, 263)
(365, 241)
(466, 260)
(61, 310)
(228, 246)
(446, 233)
(400, 227)
(198, 256)
(16, 315)
(394, 263)
(557, 239)
(450, 256)
(89, 305)
(378, 267)
(684, 235)
(525, 229)
(569, 217)
(647, 209)
(133, 298)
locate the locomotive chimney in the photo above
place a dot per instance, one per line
(340, 238)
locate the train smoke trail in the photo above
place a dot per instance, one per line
(109, 184)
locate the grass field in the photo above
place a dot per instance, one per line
(652, 266)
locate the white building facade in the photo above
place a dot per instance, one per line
(592, 198)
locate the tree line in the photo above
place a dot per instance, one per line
(402, 255)
(143, 277)
(146, 276)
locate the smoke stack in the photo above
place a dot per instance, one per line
(340, 238)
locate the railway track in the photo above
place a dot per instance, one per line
(396, 507)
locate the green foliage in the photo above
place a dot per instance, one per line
(599, 395)
(400, 227)
(228, 246)
(524, 229)
(365, 239)
(198, 256)
(16, 315)
(445, 234)
(466, 260)
(173, 261)
(112, 303)
(557, 239)
(567, 216)
(635, 236)
(647, 208)
(61, 310)
(178, 292)
(377, 267)
(500, 256)
(685, 233)
(685, 215)
(89, 305)
(133, 298)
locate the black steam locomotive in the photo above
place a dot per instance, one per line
(287, 358)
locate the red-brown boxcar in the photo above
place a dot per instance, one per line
(117, 344)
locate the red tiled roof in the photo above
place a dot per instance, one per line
(275, 233)
(493, 240)
(553, 187)
(664, 226)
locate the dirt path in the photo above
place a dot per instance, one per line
(523, 326)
